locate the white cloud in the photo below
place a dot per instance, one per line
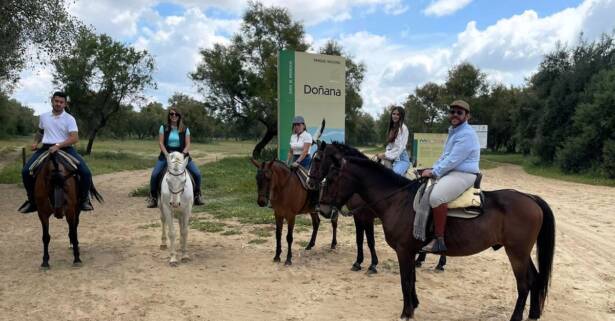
(445, 7)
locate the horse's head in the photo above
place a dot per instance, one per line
(336, 189)
(314, 176)
(264, 174)
(326, 156)
(177, 178)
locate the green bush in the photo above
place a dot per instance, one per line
(608, 155)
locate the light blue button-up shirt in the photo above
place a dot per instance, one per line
(461, 151)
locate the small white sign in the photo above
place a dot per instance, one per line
(481, 131)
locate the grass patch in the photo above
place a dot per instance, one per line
(142, 191)
(257, 241)
(531, 166)
(229, 187)
(151, 225)
(231, 232)
(261, 232)
(207, 226)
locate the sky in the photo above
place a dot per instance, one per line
(403, 44)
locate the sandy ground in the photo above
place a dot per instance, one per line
(125, 275)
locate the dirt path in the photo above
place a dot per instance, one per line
(126, 277)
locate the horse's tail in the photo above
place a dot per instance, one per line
(545, 249)
(94, 192)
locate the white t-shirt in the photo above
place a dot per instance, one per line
(57, 127)
(296, 143)
(394, 149)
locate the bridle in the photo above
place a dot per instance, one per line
(176, 175)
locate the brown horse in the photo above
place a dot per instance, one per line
(363, 219)
(56, 192)
(279, 185)
(511, 219)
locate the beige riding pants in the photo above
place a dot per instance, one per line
(448, 187)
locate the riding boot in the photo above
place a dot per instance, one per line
(198, 198)
(86, 204)
(439, 218)
(152, 201)
(29, 205)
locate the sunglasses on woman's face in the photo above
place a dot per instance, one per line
(173, 114)
(457, 112)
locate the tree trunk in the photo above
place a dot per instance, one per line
(271, 132)
(88, 150)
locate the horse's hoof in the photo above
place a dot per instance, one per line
(163, 246)
(356, 267)
(309, 247)
(372, 270)
(77, 264)
(439, 268)
(288, 263)
(185, 259)
(333, 246)
(45, 267)
(276, 260)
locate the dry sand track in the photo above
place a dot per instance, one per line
(125, 275)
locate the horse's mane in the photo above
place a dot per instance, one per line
(348, 150)
(385, 175)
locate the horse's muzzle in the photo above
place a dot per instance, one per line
(175, 205)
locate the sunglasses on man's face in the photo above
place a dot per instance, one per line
(457, 112)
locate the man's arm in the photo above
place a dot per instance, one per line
(38, 137)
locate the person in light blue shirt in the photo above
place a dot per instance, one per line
(174, 137)
(455, 171)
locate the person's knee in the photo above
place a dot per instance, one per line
(435, 200)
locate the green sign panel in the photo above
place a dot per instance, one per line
(313, 86)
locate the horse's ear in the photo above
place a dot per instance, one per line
(323, 145)
(255, 162)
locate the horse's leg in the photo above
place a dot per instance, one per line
(46, 238)
(406, 272)
(520, 265)
(73, 223)
(371, 243)
(359, 228)
(184, 221)
(289, 239)
(534, 292)
(441, 263)
(163, 238)
(334, 226)
(168, 214)
(279, 222)
(315, 225)
(420, 259)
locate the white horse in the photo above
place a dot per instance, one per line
(176, 195)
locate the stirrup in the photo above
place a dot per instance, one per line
(152, 202)
(27, 207)
(437, 248)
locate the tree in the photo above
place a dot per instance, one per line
(16, 119)
(43, 25)
(101, 76)
(239, 80)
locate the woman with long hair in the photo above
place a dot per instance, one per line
(174, 136)
(397, 139)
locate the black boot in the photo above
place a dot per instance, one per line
(28, 206)
(152, 202)
(198, 199)
(85, 204)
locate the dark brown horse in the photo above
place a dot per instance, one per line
(277, 184)
(56, 192)
(511, 219)
(363, 219)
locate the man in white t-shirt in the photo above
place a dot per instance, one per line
(57, 130)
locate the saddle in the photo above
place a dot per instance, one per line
(313, 195)
(66, 159)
